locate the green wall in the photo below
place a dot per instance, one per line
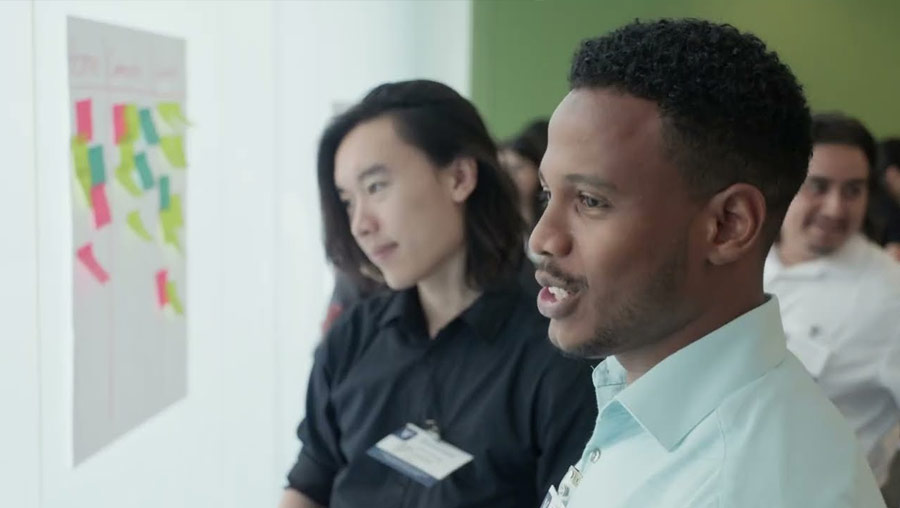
(846, 53)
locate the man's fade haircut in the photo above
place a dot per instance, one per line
(731, 111)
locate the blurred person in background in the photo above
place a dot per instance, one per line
(888, 169)
(455, 355)
(839, 292)
(521, 157)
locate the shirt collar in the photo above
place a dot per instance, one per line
(675, 395)
(485, 316)
(848, 255)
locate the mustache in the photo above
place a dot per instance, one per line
(570, 281)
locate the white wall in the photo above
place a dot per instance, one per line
(262, 80)
(19, 432)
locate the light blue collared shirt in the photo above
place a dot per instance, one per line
(732, 420)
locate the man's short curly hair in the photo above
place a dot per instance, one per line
(731, 110)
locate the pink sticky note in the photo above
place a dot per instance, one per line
(84, 120)
(101, 206)
(119, 122)
(161, 287)
(86, 256)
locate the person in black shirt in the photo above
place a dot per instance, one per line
(412, 193)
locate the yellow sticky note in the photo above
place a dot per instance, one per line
(171, 113)
(173, 148)
(82, 166)
(125, 171)
(132, 123)
(175, 210)
(168, 224)
(172, 296)
(137, 225)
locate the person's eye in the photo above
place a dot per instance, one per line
(591, 202)
(374, 187)
(817, 186)
(853, 192)
(543, 198)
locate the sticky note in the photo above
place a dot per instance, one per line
(144, 170)
(119, 128)
(132, 123)
(101, 206)
(171, 113)
(82, 166)
(175, 211)
(98, 167)
(173, 148)
(137, 225)
(161, 287)
(84, 123)
(172, 296)
(86, 256)
(164, 200)
(125, 171)
(149, 129)
(168, 224)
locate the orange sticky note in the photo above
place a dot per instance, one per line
(101, 206)
(86, 256)
(161, 295)
(83, 120)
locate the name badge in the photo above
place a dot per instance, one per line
(552, 500)
(419, 454)
(560, 498)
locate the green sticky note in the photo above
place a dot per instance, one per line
(140, 160)
(171, 113)
(125, 171)
(132, 123)
(172, 296)
(137, 225)
(173, 148)
(149, 129)
(98, 167)
(164, 200)
(82, 166)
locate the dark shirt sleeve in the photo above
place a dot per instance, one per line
(566, 414)
(320, 459)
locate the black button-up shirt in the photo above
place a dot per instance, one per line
(491, 381)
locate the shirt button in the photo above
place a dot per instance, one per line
(595, 455)
(564, 491)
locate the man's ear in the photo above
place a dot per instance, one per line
(736, 217)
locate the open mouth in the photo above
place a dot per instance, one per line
(556, 301)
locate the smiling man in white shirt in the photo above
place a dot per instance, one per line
(839, 293)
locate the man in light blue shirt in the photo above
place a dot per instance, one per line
(670, 166)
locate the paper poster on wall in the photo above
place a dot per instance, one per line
(129, 166)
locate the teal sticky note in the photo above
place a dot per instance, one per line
(149, 129)
(164, 200)
(140, 160)
(98, 168)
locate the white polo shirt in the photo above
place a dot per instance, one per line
(842, 318)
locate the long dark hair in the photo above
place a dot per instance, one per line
(445, 126)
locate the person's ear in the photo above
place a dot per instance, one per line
(735, 223)
(461, 177)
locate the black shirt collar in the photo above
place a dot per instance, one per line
(485, 316)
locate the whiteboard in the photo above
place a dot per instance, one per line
(128, 175)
